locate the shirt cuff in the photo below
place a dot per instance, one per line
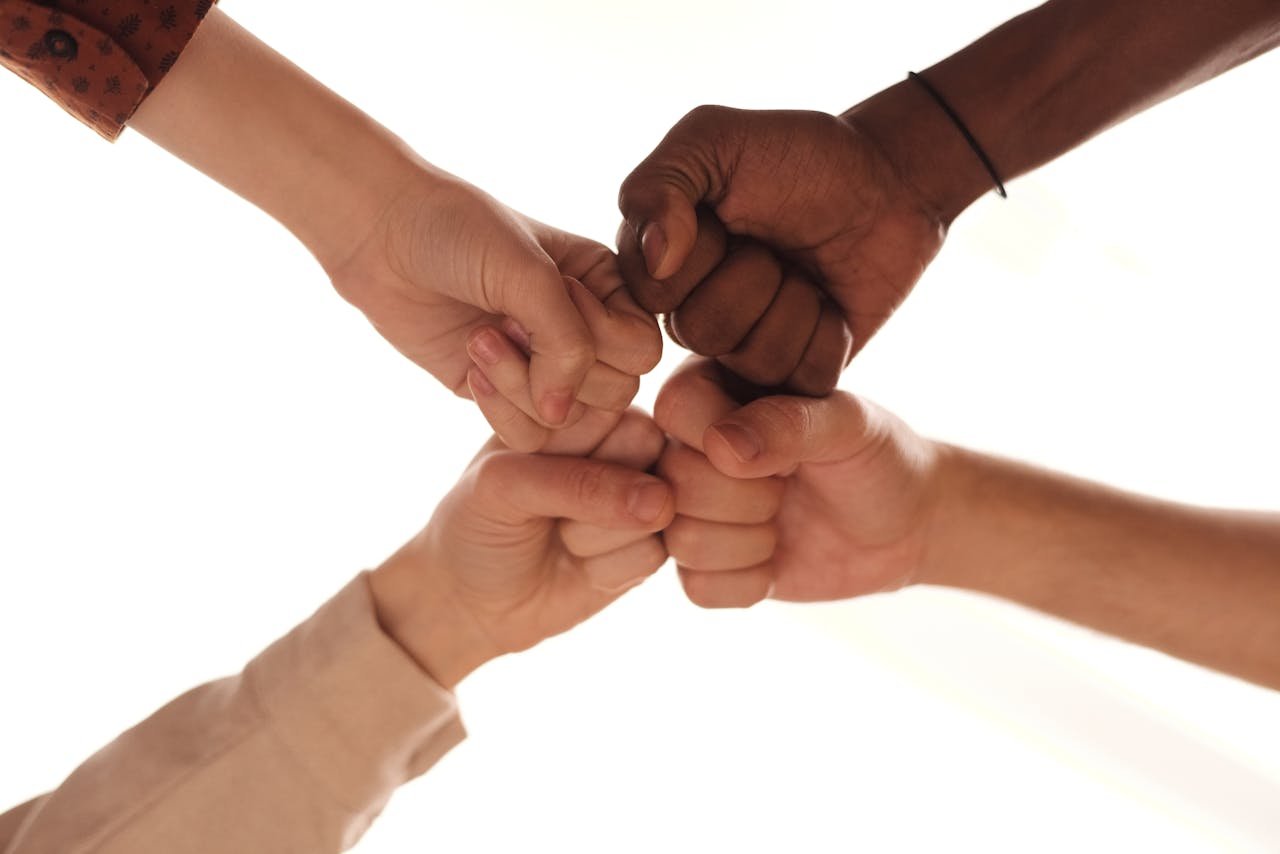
(350, 704)
(98, 61)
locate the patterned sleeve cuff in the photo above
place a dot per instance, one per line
(99, 61)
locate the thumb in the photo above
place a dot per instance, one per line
(659, 198)
(608, 495)
(773, 435)
(659, 212)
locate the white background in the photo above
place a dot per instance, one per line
(199, 442)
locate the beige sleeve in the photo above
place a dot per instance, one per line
(299, 753)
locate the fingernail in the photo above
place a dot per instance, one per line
(484, 348)
(653, 243)
(517, 333)
(554, 407)
(647, 501)
(744, 443)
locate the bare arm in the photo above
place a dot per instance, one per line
(862, 203)
(1046, 81)
(1197, 583)
(428, 258)
(870, 506)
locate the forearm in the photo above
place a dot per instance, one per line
(1055, 76)
(1200, 584)
(251, 120)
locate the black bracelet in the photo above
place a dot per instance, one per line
(964, 130)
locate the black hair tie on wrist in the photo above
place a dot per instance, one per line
(964, 130)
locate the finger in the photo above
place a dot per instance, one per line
(774, 346)
(636, 442)
(507, 369)
(560, 344)
(608, 388)
(775, 434)
(517, 431)
(703, 492)
(627, 343)
(586, 540)
(532, 486)
(739, 588)
(692, 399)
(718, 546)
(721, 311)
(658, 198)
(825, 358)
(584, 436)
(595, 266)
(626, 336)
(626, 567)
(665, 294)
(629, 438)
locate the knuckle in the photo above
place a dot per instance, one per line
(587, 482)
(623, 393)
(644, 442)
(631, 197)
(783, 416)
(617, 572)
(650, 441)
(676, 465)
(667, 405)
(517, 431)
(639, 344)
(682, 541)
(575, 354)
(704, 116)
(655, 553)
(698, 331)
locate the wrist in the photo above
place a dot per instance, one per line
(926, 150)
(244, 115)
(352, 180)
(424, 620)
(951, 514)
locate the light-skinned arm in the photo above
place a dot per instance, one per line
(427, 257)
(809, 499)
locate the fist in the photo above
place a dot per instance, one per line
(778, 241)
(734, 299)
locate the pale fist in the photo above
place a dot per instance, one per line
(796, 498)
(446, 259)
(529, 545)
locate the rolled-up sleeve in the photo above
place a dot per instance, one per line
(98, 60)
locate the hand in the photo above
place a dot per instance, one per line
(820, 192)
(445, 259)
(796, 498)
(426, 256)
(528, 545)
